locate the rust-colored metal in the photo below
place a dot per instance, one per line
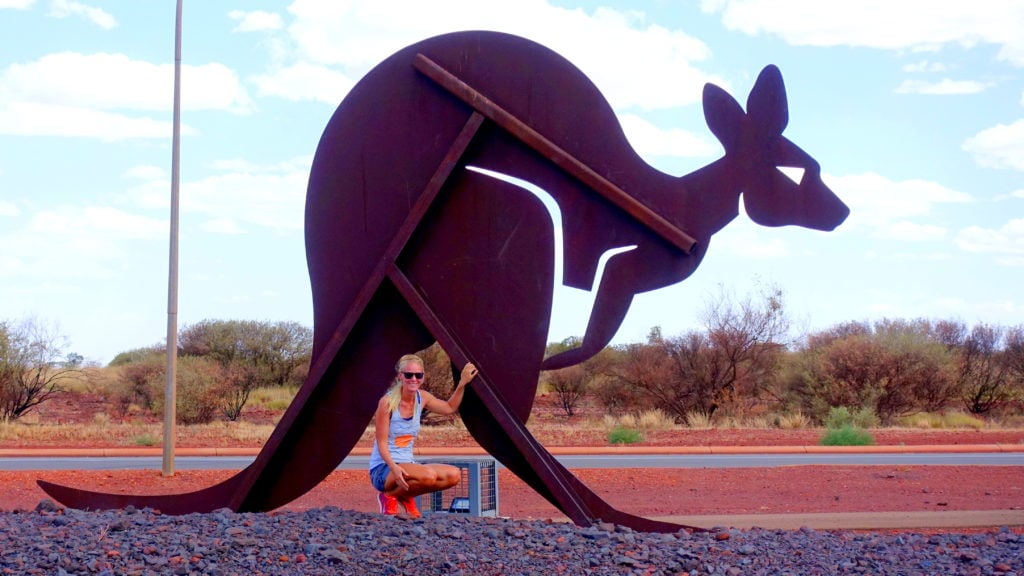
(407, 246)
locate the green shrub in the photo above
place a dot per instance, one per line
(134, 385)
(621, 435)
(198, 389)
(841, 416)
(146, 440)
(847, 436)
(961, 420)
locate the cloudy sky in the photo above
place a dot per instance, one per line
(914, 109)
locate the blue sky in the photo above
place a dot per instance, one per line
(914, 109)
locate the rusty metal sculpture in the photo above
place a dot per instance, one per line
(407, 244)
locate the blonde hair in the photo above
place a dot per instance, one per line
(394, 394)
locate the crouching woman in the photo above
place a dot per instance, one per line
(393, 471)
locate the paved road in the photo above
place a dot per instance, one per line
(569, 461)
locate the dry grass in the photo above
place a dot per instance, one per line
(795, 421)
(947, 420)
(102, 433)
(699, 421)
(272, 398)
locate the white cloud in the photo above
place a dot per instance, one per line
(275, 201)
(225, 226)
(888, 207)
(267, 196)
(71, 94)
(146, 173)
(1001, 146)
(16, 4)
(749, 242)
(906, 25)
(115, 81)
(913, 232)
(257, 21)
(75, 242)
(626, 55)
(650, 140)
(1007, 242)
(8, 208)
(925, 66)
(305, 81)
(944, 86)
(99, 17)
(96, 220)
(27, 119)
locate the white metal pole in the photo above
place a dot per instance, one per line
(170, 390)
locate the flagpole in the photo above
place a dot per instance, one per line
(170, 392)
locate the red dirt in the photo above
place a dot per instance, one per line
(647, 492)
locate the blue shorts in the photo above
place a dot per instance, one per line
(378, 476)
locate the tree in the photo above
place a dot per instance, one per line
(573, 383)
(894, 368)
(250, 354)
(655, 373)
(139, 355)
(983, 373)
(730, 364)
(32, 366)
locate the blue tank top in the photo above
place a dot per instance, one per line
(401, 437)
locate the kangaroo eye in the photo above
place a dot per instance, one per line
(793, 173)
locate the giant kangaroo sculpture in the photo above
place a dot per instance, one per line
(407, 245)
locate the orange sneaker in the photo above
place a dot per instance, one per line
(410, 507)
(388, 504)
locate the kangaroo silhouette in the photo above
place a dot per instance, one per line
(407, 246)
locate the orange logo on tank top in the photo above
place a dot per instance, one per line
(404, 441)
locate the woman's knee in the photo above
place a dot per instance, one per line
(449, 476)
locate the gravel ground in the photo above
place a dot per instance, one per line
(53, 540)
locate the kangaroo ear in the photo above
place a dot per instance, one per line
(723, 114)
(767, 105)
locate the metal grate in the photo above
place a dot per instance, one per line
(476, 494)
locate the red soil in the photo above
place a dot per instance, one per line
(647, 492)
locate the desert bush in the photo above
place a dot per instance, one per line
(594, 376)
(273, 397)
(198, 389)
(729, 365)
(250, 355)
(943, 420)
(139, 355)
(759, 422)
(794, 421)
(984, 372)
(624, 435)
(841, 416)
(628, 420)
(146, 440)
(32, 366)
(699, 421)
(136, 384)
(897, 368)
(847, 436)
(440, 379)
(569, 385)
(235, 381)
(654, 420)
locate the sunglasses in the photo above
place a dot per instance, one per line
(411, 375)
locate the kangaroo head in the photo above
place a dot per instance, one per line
(755, 149)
